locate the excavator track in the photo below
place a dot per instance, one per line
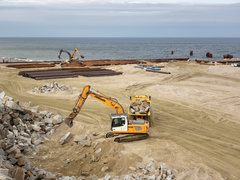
(131, 137)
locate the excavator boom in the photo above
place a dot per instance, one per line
(111, 102)
(77, 52)
(61, 51)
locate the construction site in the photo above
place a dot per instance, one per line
(120, 119)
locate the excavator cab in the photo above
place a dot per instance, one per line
(119, 122)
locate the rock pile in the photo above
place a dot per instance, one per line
(149, 172)
(20, 132)
(50, 88)
(140, 106)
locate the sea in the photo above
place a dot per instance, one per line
(47, 49)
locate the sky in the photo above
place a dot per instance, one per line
(119, 18)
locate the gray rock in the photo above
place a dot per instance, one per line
(169, 172)
(44, 113)
(7, 117)
(2, 152)
(23, 146)
(132, 168)
(2, 94)
(33, 111)
(66, 178)
(36, 127)
(128, 177)
(98, 150)
(13, 149)
(10, 135)
(18, 173)
(66, 138)
(151, 166)
(104, 169)
(168, 178)
(16, 121)
(49, 115)
(151, 177)
(14, 115)
(51, 132)
(28, 117)
(87, 143)
(57, 119)
(107, 177)
(4, 171)
(48, 120)
(23, 139)
(13, 105)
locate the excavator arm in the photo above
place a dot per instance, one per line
(77, 52)
(111, 102)
(62, 50)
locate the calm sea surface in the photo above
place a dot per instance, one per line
(47, 49)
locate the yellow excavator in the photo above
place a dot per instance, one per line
(133, 128)
(71, 56)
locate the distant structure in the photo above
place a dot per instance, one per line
(227, 56)
(191, 53)
(208, 54)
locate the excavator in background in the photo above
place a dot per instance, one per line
(71, 58)
(127, 128)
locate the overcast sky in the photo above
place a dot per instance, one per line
(119, 18)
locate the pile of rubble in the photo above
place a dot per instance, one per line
(140, 106)
(20, 132)
(151, 171)
(50, 88)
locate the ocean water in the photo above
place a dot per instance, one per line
(47, 49)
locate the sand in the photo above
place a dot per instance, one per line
(196, 112)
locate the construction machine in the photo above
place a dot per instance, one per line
(71, 56)
(127, 128)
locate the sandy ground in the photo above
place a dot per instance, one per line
(196, 112)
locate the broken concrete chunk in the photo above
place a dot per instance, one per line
(66, 138)
(36, 127)
(18, 173)
(2, 94)
(151, 166)
(98, 150)
(13, 105)
(57, 119)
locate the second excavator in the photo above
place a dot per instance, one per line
(71, 56)
(127, 127)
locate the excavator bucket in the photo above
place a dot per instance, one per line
(69, 120)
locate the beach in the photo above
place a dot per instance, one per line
(195, 109)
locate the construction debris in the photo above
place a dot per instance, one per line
(140, 106)
(50, 88)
